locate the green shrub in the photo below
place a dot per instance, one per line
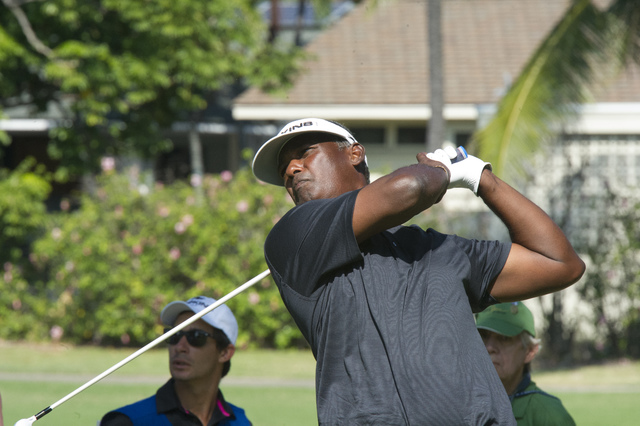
(107, 268)
(22, 217)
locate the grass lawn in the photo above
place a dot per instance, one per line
(275, 388)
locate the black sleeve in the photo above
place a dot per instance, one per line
(115, 418)
(313, 240)
(486, 258)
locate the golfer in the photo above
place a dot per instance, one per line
(199, 357)
(509, 334)
(388, 309)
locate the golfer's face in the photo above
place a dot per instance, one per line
(187, 362)
(508, 354)
(313, 168)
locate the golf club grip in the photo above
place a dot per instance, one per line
(461, 154)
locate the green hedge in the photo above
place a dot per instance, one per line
(101, 273)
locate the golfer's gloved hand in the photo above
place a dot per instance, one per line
(465, 173)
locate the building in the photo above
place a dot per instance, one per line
(370, 71)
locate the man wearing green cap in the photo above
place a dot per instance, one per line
(508, 332)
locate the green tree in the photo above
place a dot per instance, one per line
(587, 45)
(120, 72)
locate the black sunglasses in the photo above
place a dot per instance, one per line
(196, 338)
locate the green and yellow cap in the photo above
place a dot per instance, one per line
(508, 319)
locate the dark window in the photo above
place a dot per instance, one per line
(368, 135)
(411, 135)
(463, 139)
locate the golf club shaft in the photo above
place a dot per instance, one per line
(166, 335)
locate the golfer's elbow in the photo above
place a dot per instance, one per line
(575, 269)
(416, 193)
(571, 271)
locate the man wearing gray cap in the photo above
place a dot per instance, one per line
(386, 308)
(199, 357)
(509, 334)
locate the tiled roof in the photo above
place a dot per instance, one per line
(378, 54)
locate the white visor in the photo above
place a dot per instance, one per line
(265, 162)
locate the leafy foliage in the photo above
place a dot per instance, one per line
(612, 283)
(121, 72)
(108, 268)
(22, 217)
(599, 318)
(586, 47)
(528, 114)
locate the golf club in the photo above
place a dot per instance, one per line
(195, 317)
(461, 154)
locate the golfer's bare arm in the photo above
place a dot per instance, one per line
(397, 197)
(541, 259)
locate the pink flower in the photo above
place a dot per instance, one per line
(137, 249)
(174, 253)
(16, 304)
(187, 219)
(179, 228)
(196, 180)
(56, 333)
(226, 176)
(164, 211)
(125, 339)
(108, 164)
(242, 206)
(254, 298)
(64, 205)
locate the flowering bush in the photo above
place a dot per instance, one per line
(22, 216)
(108, 268)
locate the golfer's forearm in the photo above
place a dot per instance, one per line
(528, 225)
(395, 198)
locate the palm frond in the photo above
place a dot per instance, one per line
(627, 28)
(552, 84)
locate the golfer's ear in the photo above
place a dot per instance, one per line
(227, 353)
(357, 154)
(531, 354)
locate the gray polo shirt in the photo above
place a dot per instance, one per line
(390, 322)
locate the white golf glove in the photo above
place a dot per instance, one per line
(465, 172)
